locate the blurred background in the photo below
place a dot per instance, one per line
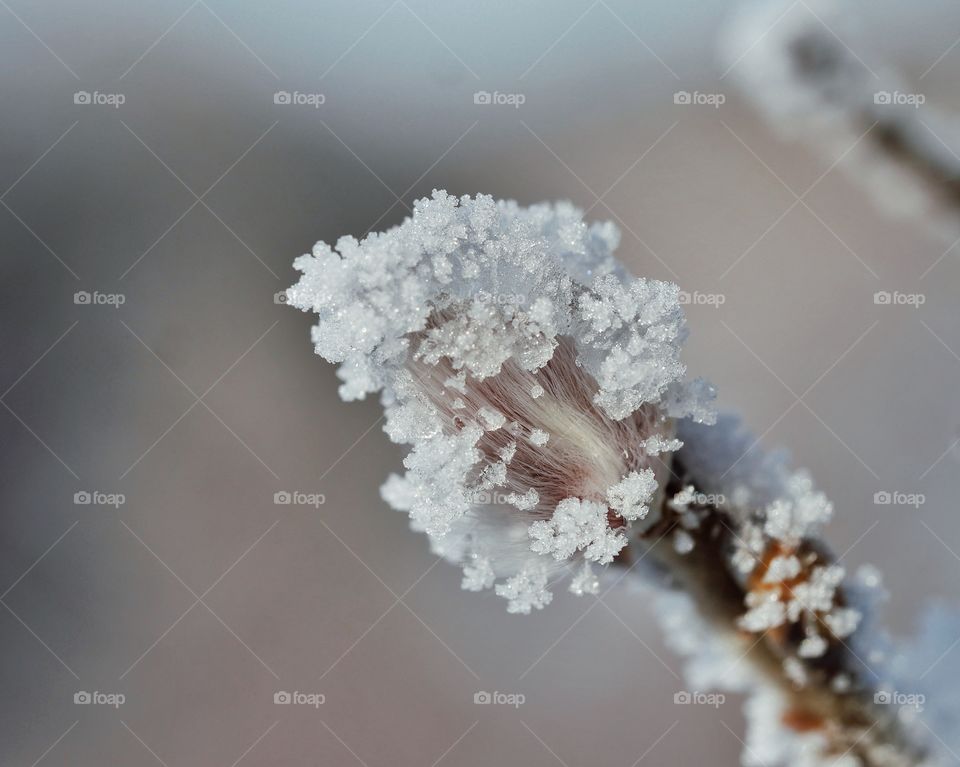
(164, 162)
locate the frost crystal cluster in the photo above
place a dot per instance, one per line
(536, 383)
(775, 513)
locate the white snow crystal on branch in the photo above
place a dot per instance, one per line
(630, 496)
(534, 421)
(577, 526)
(526, 590)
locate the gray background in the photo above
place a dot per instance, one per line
(200, 398)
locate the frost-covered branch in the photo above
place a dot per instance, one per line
(805, 69)
(551, 430)
(762, 607)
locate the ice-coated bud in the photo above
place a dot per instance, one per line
(536, 383)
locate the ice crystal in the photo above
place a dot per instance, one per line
(842, 622)
(782, 568)
(773, 512)
(532, 418)
(577, 525)
(526, 590)
(812, 646)
(629, 497)
(539, 437)
(477, 574)
(491, 418)
(585, 581)
(766, 612)
(656, 444)
(683, 542)
(816, 593)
